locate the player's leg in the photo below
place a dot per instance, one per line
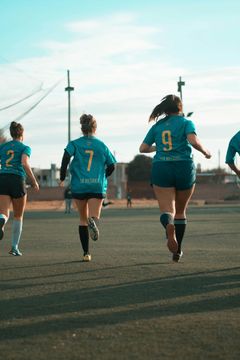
(185, 173)
(182, 199)
(95, 207)
(82, 206)
(18, 212)
(5, 202)
(166, 201)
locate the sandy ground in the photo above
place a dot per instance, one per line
(60, 205)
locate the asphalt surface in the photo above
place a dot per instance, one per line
(131, 301)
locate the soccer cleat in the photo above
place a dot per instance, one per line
(171, 238)
(93, 230)
(2, 222)
(15, 252)
(177, 256)
(87, 257)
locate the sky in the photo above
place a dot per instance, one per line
(123, 58)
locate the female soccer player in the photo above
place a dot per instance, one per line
(14, 159)
(173, 171)
(91, 165)
(233, 148)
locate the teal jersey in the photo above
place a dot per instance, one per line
(233, 148)
(11, 157)
(90, 159)
(170, 136)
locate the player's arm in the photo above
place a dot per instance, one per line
(65, 161)
(145, 148)
(230, 157)
(195, 142)
(235, 169)
(27, 168)
(109, 169)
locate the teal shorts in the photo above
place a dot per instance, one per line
(178, 174)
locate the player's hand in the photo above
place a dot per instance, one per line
(35, 186)
(208, 155)
(61, 183)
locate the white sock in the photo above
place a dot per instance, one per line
(2, 216)
(16, 232)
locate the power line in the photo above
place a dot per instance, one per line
(38, 102)
(33, 106)
(21, 100)
(18, 69)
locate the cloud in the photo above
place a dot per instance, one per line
(120, 70)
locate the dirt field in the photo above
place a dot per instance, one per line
(59, 205)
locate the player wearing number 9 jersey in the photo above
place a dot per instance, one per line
(92, 162)
(173, 171)
(14, 159)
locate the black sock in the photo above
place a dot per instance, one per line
(165, 219)
(84, 237)
(180, 226)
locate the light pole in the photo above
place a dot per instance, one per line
(69, 89)
(180, 84)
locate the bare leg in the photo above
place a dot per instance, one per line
(82, 206)
(95, 207)
(180, 221)
(182, 199)
(5, 203)
(166, 202)
(19, 207)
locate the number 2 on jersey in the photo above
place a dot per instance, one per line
(90, 152)
(167, 140)
(11, 153)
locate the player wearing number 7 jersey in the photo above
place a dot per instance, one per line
(14, 159)
(92, 163)
(173, 171)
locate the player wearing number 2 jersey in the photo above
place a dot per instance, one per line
(92, 163)
(14, 160)
(173, 171)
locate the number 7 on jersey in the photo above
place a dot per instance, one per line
(90, 152)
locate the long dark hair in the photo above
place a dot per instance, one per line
(16, 130)
(88, 124)
(170, 104)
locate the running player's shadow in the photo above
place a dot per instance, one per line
(157, 298)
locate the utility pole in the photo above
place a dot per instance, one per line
(180, 84)
(69, 89)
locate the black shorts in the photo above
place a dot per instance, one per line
(12, 185)
(84, 196)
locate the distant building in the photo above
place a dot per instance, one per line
(216, 178)
(118, 182)
(47, 177)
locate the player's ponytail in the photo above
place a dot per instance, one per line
(170, 104)
(88, 124)
(16, 130)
